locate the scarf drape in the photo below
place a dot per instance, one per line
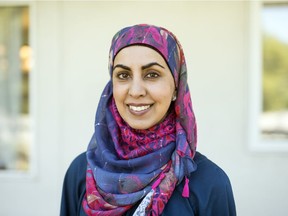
(128, 166)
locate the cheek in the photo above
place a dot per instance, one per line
(119, 94)
(117, 91)
(163, 92)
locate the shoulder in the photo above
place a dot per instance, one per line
(78, 163)
(208, 172)
(210, 188)
(73, 188)
(210, 192)
(79, 160)
(76, 173)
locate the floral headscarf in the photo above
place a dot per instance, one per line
(119, 172)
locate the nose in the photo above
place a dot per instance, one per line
(137, 88)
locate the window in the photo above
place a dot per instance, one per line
(274, 118)
(15, 122)
(269, 76)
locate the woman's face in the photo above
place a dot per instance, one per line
(143, 86)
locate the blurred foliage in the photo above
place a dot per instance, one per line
(25, 93)
(275, 74)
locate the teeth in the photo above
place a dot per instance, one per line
(139, 108)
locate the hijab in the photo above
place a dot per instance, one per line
(127, 166)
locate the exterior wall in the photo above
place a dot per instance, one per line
(71, 42)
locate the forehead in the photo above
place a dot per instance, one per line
(138, 54)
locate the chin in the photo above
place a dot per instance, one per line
(139, 126)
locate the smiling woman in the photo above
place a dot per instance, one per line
(142, 157)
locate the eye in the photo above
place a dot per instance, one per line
(152, 75)
(123, 75)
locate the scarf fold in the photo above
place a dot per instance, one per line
(128, 166)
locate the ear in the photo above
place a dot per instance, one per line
(174, 96)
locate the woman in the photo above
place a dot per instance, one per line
(142, 157)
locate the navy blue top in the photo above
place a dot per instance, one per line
(210, 191)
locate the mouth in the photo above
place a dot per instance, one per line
(139, 108)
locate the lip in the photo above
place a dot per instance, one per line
(139, 109)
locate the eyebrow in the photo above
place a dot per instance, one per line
(151, 64)
(121, 66)
(143, 67)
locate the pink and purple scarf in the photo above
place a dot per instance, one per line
(127, 166)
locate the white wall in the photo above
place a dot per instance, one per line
(71, 42)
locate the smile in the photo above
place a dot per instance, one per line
(139, 108)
